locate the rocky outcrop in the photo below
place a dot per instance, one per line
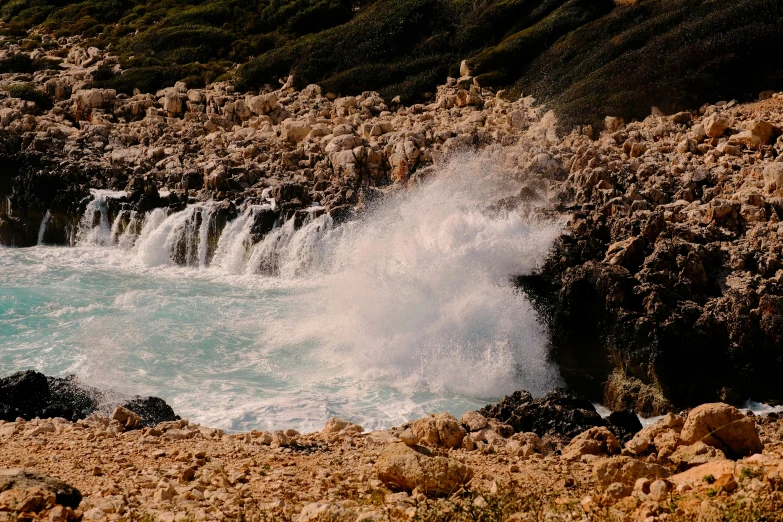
(665, 292)
(308, 150)
(29, 394)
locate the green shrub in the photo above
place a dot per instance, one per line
(16, 63)
(26, 91)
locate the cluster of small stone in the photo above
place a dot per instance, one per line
(676, 467)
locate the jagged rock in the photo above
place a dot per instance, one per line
(595, 441)
(401, 467)
(23, 394)
(716, 125)
(336, 426)
(473, 421)
(560, 414)
(723, 427)
(126, 417)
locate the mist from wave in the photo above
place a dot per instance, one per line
(408, 310)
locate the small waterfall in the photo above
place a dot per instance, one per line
(236, 240)
(127, 237)
(94, 227)
(187, 237)
(289, 252)
(115, 227)
(42, 228)
(203, 234)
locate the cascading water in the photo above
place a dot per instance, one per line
(94, 228)
(260, 323)
(42, 228)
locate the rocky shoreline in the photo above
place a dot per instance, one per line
(522, 459)
(665, 292)
(671, 259)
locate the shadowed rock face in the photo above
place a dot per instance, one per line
(29, 394)
(22, 479)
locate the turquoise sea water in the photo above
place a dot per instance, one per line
(406, 312)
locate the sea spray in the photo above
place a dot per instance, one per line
(407, 310)
(419, 291)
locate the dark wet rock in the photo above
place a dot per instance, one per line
(558, 416)
(264, 220)
(152, 410)
(29, 394)
(23, 394)
(625, 424)
(65, 494)
(653, 322)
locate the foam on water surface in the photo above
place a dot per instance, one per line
(407, 311)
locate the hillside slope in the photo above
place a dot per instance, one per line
(587, 58)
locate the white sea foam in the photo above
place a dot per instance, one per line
(408, 310)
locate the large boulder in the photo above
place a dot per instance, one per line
(723, 427)
(295, 130)
(402, 467)
(23, 394)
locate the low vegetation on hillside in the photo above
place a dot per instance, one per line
(588, 58)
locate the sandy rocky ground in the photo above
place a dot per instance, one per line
(436, 468)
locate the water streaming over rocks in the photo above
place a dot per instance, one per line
(240, 318)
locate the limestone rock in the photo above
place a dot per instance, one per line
(773, 177)
(127, 418)
(687, 457)
(324, 512)
(716, 125)
(626, 470)
(595, 441)
(402, 467)
(723, 427)
(696, 474)
(335, 426)
(295, 130)
(439, 430)
(473, 421)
